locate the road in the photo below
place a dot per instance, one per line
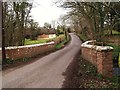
(47, 72)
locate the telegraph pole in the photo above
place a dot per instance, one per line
(0, 45)
(0, 24)
(3, 34)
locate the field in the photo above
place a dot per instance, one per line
(30, 42)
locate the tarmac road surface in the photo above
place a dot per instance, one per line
(47, 72)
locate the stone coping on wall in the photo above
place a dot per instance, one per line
(26, 46)
(98, 48)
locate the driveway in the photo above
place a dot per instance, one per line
(47, 72)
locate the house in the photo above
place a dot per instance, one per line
(47, 33)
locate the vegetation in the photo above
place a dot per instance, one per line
(60, 45)
(91, 79)
(47, 25)
(39, 41)
(99, 21)
(116, 50)
(15, 19)
(115, 32)
(30, 42)
(59, 30)
(32, 29)
(119, 60)
(92, 19)
(16, 22)
(0, 61)
(8, 61)
(82, 37)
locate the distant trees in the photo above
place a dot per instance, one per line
(47, 25)
(114, 16)
(16, 16)
(15, 22)
(33, 29)
(60, 30)
(93, 18)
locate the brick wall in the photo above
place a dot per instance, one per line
(100, 56)
(28, 51)
(90, 55)
(18, 52)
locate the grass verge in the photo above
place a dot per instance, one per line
(91, 79)
(115, 32)
(62, 44)
(30, 42)
(119, 60)
(82, 37)
(116, 51)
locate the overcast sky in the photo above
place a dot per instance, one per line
(45, 11)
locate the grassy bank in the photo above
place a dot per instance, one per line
(115, 32)
(82, 37)
(62, 44)
(0, 61)
(116, 50)
(116, 53)
(82, 74)
(91, 79)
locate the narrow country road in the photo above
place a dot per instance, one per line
(47, 72)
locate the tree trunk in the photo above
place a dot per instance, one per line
(101, 13)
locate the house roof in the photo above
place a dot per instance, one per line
(47, 31)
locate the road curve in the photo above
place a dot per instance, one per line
(45, 72)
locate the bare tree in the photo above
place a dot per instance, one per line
(94, 13)
(16, 16)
